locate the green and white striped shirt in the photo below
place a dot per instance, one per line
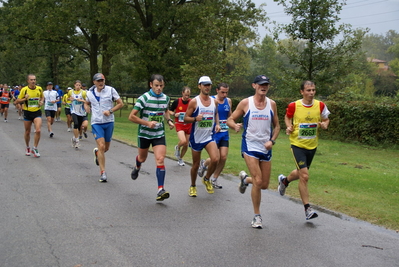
(152, 109)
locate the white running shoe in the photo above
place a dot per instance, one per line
(216, 184)
(281, 185)
(310, 214)
(181, 162)
(257, 222)
(202, 168)
(177, 152)
(69, 129)
(242, 186)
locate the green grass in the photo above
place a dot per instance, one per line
(356, 180)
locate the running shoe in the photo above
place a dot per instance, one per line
(27, 151)
(162, 194)
(310, 214)
(95, 150)
(192, 192)
(103, 178)
(181, 162)
(19, 118)
(85, 134)
(177, 152)
(35, 152)
(5, 120)
(51, 135)
(257, 222)
(202, 168)
(73, 141)
(77, 145)
(242, 186)
(80, 137)
(216, 184)
(208, 185)
(69, 130)
(281, 185)
(135, 173)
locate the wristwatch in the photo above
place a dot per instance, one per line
(110, 111)
(273, 142)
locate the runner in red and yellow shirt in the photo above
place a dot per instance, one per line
(303, 119)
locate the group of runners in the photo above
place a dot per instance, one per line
(202, 123)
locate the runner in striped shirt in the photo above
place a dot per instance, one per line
(151, 113)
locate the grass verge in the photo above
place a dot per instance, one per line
(356, 180)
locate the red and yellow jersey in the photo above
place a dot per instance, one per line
(35, 96)
(305, 121)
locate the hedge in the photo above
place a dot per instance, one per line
(367, 122)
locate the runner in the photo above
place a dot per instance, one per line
(67, 104)
(100, 102)
(50, 106)
(32, 98)
(178, 109)
(202, 113)
(261, 129)
(222, 137)
(303, 119)
(77, 97)
(5, 97)
(150, 111)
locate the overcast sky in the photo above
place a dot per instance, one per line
(379, 16)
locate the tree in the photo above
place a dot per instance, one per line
(187, 38)
(319, 50)
(379, 46)
(82, 25)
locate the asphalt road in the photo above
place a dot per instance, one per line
(54, 212)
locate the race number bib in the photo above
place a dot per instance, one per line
(223, 125)
(206, 122)
(33, 102)
(181, 116)
(307, 130)
(158, 117)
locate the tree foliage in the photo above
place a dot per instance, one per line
(319, 50)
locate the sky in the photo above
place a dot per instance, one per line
(379, 16)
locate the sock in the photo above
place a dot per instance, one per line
(138, 163)
(306, 206)
(160, 175)
(160, 188)
(101, 172)
(285, 181)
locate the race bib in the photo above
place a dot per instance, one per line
(33, 102)
(307, 131)
(223, 125)
(206, 122)
(181, 116)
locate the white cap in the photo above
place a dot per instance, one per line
(69, 88)
(205, 80)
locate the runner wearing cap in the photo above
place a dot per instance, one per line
(261, 129)
(100, 102)
(202, 113)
